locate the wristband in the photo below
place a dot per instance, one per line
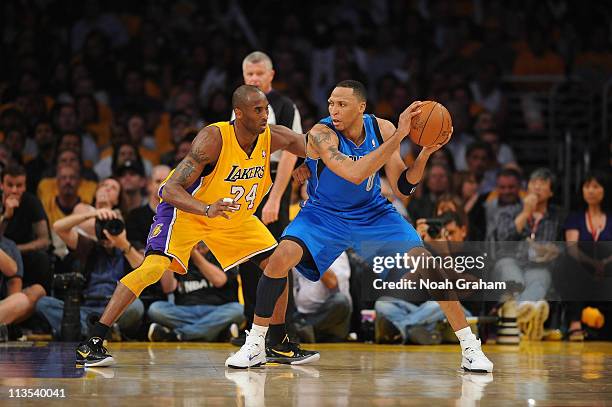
(206, 211)
(404, 186)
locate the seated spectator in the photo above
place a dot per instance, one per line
(591, 224)
(62, 204)
(108, 195)
(89, 119)
(47, 188)
(122, 151)
(436, 182)
(174, 157)
(400, 321)
(507, 192)
(537, 223)
(502, 151)
(25, 222)
(480, 160)
(64, 118)
(487, 92)
(136, 133)
(45, 154)
(72, 141)
(16, 304)
(103, 263)
(324, 306)
(462, 136)
(205, 303)
(131, 176)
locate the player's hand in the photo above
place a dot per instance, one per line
(10, 204)
(405, 118)
(427, 151)
(301, 174)
(269, 213)
(220, 208)
(106, 214)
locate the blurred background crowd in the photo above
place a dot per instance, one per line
(100, 99)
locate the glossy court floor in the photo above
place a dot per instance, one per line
(192, 374)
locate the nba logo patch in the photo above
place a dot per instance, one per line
(263, 153)
(157, 230)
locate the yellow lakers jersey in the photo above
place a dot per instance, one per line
(246, 179)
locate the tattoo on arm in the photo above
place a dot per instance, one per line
(184, 171)
(335, 154)
(319, 137)
(198, 155)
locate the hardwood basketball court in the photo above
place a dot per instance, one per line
(190, 374)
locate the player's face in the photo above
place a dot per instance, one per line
(258, 74)
(344, 108)
(254, 115)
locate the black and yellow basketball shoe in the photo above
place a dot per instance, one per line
(93, 353)
(290, 353)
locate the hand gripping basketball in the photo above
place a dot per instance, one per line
(405, 118)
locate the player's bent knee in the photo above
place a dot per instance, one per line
(149, 272)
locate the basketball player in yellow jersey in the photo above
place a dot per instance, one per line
(210, 196)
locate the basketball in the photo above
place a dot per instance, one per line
(432, 125)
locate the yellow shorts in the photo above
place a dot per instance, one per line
(231, 246)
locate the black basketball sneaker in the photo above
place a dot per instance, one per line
(290, 353)
(93, 353)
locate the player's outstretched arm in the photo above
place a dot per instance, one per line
(324, 143)
(283, 138)
(205, 149)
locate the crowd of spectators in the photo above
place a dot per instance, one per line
(99, 101)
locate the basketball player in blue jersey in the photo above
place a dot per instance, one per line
(346, 209)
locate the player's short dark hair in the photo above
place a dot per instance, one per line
(359, 89)
(14, 169)
(241, 95)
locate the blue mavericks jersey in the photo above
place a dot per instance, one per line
(332, 193)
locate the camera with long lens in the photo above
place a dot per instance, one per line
(71, 285)
(113, 226)
(435, 225)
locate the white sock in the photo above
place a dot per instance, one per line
(259, 330)
(465, 335)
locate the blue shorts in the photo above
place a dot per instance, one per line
(327, 235)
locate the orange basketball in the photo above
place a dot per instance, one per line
(432, 125)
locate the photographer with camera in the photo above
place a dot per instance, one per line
(105, 262)
(401, 321)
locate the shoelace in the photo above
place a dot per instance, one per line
(252, 344)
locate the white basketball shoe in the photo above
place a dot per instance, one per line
(473, 358)
(251, 354)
